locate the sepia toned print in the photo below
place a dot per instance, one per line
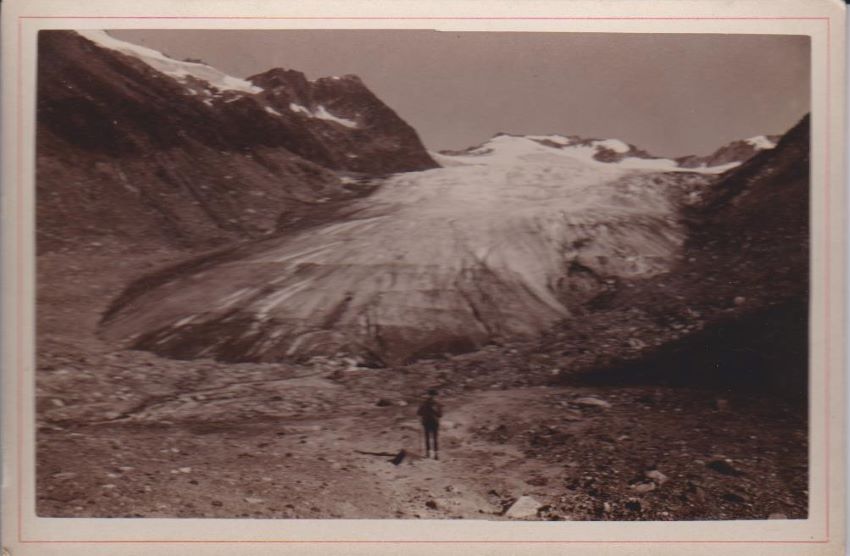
(268, 293)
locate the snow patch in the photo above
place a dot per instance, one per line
(174, 68)
(613, 145)
(321, 113)
(761, 142)
(300, 109)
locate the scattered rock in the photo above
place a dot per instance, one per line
(636, 343)
(723, 466)
(431, 504)
(252, 500)
(740, 300)
(590, 401)
(524, 507)
(643, 487)
(777, 516)
(217, 503)
(657, 476)
(736, 497)
(383, 402)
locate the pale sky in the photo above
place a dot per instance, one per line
(669, 94)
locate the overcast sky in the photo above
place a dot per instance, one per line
(669, 94)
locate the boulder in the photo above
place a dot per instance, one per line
(525, 507)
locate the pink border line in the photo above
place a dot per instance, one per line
(20, 277)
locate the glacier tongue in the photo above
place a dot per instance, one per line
(442, 260)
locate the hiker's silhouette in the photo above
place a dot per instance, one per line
(430, 412)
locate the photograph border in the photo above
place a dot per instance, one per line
(826, 518)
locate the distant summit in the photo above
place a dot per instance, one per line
(606, 151)
(735, 152)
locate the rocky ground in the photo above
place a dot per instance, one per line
(126, 433)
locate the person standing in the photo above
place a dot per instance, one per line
(430, 412)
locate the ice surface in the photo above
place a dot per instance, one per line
(432, 260)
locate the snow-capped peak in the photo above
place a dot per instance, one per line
(177, 69)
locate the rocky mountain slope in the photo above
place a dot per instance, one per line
(135, 146)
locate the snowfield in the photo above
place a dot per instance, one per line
(507, 149)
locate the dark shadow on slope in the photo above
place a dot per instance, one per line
(766, 351)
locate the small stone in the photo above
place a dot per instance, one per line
(736, 497)
(590, 401)
(643, 487)
(723, 466)
(777, 516)
(636, 343)
(57, 402)
(431, 504)
(185, 469)
(383, 402)
(524, 507)
(252, 500)
(657, 476)
(740, 300)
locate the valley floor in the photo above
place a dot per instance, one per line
(129, 434)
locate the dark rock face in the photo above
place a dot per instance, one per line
(736, 151)
(129, 152)
(345, 126)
